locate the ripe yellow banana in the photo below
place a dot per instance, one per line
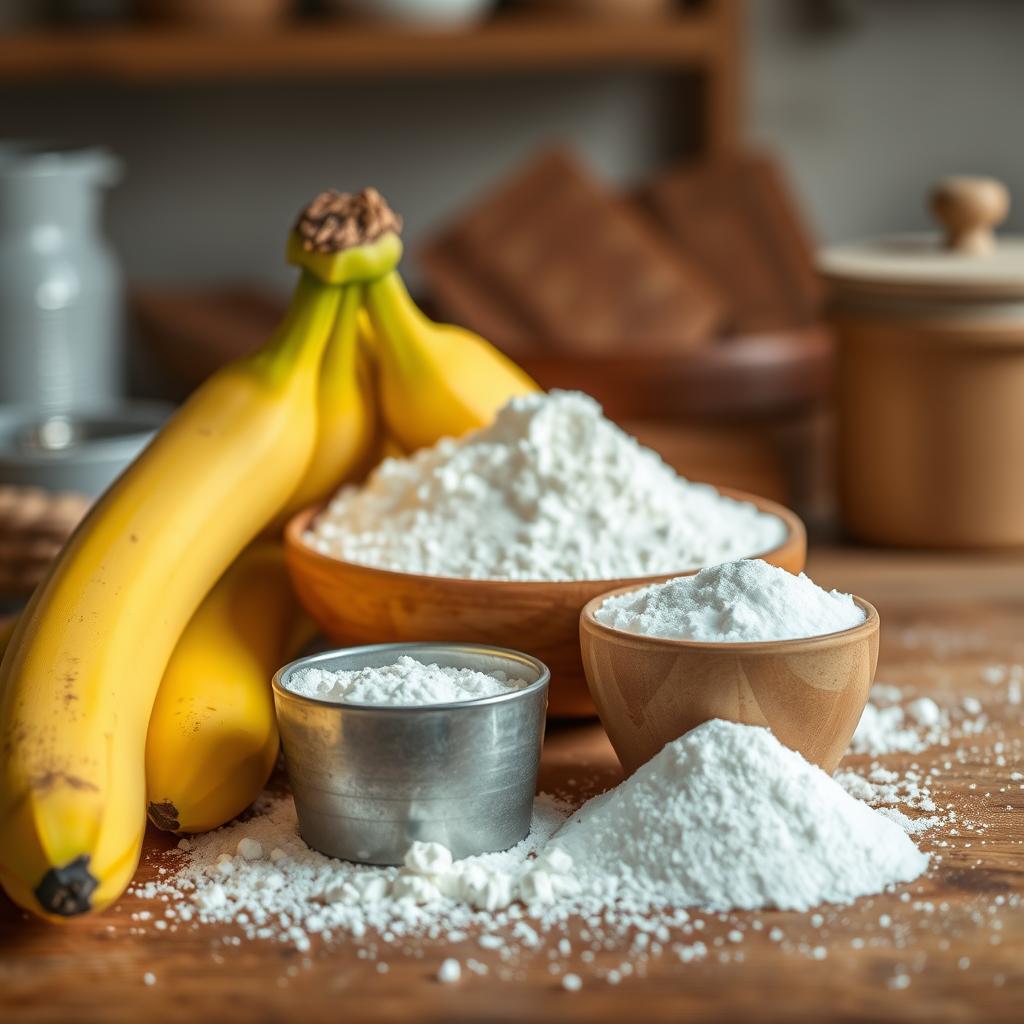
(212, 740)
(211, 771)
(81, 673)
(435, 380)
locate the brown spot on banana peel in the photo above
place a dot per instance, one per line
(16, 736)
(164, 815)
(50, 780)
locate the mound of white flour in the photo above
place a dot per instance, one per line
(550, 491)
(737, 602)
(726, 817)
(407, 682)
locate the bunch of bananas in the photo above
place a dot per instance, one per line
(138, 675)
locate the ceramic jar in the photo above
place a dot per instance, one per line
(930, 383)
(60, 284)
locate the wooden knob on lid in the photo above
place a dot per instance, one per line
(969, 209)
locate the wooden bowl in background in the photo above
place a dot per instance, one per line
(358, 604)
(218, 14)
(810, 692)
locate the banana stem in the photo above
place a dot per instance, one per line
(303, 332)
(339, 361)
(344, 430)
(395, 317)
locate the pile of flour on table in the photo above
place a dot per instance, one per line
(744, 601)
(407, 682)
(550, 491)
(726, 817)
(723, 817)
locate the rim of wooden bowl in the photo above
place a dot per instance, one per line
(796, 536)
(820, 641)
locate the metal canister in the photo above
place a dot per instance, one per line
(80, 450)
(369, 780)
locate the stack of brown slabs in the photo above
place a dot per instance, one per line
(556, 257)
(734, 217)
(34, 525)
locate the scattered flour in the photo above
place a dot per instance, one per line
(738, 602)
(550, 491)
(889, 727)
(888, 792)
(727, 817)
(613, 937)
(450, 971)
(290, 893)
(724, 817)
(1012, 676)
(406, 682)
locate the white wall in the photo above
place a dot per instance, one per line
(216, 173)
(868, 117)
(864, 119)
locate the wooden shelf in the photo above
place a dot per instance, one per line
(504, 45)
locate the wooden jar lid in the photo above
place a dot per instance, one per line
(965, 262)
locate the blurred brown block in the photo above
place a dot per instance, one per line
(193, 332)
(553, 259)
(34, 524)
(739, 455)
(747, 397)
(737, 220)
(763, 375)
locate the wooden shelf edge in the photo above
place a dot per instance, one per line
(504, 45)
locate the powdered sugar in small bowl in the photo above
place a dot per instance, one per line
(810, 690)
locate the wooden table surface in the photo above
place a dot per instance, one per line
(952, 950)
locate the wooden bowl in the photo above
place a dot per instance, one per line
(649, 690)
(357, 604)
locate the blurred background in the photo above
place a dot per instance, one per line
(699, 154)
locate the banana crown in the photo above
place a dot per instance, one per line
(346, 236)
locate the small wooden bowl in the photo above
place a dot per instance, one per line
(649, 690)
(357, 604)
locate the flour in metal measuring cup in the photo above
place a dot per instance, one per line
(405, 683)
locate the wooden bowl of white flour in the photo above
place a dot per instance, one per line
(361, 604)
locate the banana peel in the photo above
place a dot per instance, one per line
(80, 676)
(435, 380)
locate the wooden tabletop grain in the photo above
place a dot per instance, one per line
(948, 948)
